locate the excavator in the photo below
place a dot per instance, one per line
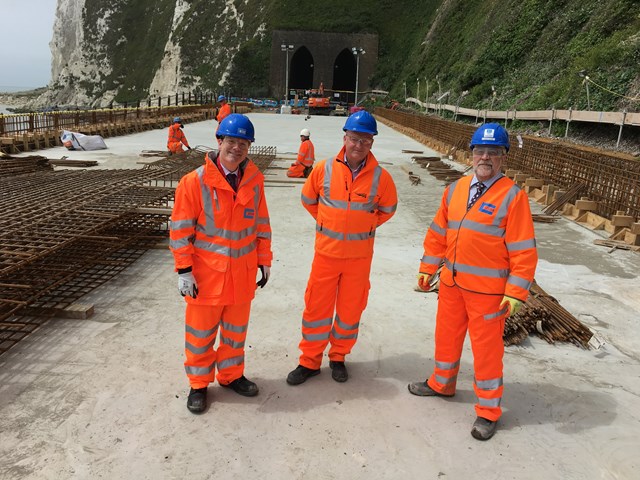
(318, 103)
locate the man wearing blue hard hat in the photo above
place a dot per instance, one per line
(220, 237)
(225, 109)
(349, 196)
(483, 237)
(176, 137)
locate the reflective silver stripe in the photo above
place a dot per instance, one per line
(489, 385)
(375, 183)
(390, 209)
(361, 236)
(522, 245)
(489, 402)
(340, 336)
(437, 228)
(234, 328)
(201, 333)
(215, 199)
(179, 224)
(207, 202)
(323, 322)
(181, 242)
(329, 233)
(231, 342)
(224, 250)
(506, 203)
(199, 370)
(519, 282)
(479, 227)
(345, 205)
(199, 350)
(263, 221)
(266, 235)
(480, 271)
(256, 199)
(309, 201)
(346, 326)
(490, 316)
(230, 362)
(315, 337)
(227, 234)
(452, 187)
(431, 260)
(326, 182)
(446, 380)
(447, 365)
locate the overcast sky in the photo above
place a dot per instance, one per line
(27, 27)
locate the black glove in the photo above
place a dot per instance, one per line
(266, 272)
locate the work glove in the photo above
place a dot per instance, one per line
(514, 305)
(266, 272)
(187, 285)
(423, 282)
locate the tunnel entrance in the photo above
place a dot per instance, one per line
(301, 73)
(344, 71)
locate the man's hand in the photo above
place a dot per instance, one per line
(266, 273)
(423, 282)
(514, 305)
(187, 285)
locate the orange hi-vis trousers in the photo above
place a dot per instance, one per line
(175, 147)
(459, 310)
(202, 322)
(340, 286)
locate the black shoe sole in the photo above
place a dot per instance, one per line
(308, 376)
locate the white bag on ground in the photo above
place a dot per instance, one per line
(79, 141)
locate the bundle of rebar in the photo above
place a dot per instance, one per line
(10, 166)
(567, 196)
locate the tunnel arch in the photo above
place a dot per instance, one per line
(344, 71)
(301, 72)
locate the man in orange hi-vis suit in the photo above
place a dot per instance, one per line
(220, 237)
(306, 156)
(225, 109)
(349, 196)
(483, 233)
(176, 137)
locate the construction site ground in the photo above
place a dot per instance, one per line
(105, 397)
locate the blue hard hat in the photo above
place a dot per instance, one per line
(491, 134)
(177, 120)
(221, 97)
(361, 121)
(236, 125)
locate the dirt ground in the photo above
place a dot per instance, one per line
(106, 397)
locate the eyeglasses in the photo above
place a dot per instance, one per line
(237, 142)
(366, 142)
(491, 152)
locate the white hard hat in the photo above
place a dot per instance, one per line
(305, 132)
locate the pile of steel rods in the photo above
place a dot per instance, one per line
(568, 196)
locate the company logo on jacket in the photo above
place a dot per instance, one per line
(487, 208)
(249, 213)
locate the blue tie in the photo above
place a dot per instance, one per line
(479, 189)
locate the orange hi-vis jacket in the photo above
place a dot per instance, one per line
(224, 111)
(176, 136)
(306, 154)
(491, 248)
(348, 212)
(221, 234)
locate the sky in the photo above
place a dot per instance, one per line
(27, 28)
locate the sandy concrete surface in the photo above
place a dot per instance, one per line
(106, 397)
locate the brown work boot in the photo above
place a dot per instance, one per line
(422, 389)
(301, 374)
(338, 371)
(483, 429)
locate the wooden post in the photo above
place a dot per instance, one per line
(624, 116)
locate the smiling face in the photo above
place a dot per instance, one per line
(357, 146)
(487, 161)
(232, 152)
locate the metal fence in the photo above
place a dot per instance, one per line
(611, 179)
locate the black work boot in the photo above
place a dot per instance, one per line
(338, 371)
(422, 389)
(197, 400)
(243, 386)
(483, 429)
(300, 375)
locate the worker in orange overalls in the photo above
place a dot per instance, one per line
(483, 232)
(176, 137)
(349, 196)
(306, 156)
(220, 237)
(225, 109)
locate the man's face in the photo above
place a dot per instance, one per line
(232, 151)
(487, 161)
(357, 145)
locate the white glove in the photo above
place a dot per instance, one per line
(187, 285)
(266, 272)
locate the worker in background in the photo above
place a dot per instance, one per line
(306, 156)
(220, 237)
(321, 89)
(225, 109)
(483, 232)
(176, 137)
(350, 196)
